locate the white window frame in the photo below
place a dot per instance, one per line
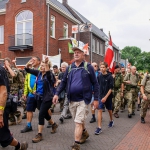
(101, 49)
(93, 46)
(65, 29)
(23, 1)
(52, 28)
(24, 29)
(2, 34)
(97, 47)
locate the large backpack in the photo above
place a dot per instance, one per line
(118, 81)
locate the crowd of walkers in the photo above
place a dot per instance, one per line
(76, 86)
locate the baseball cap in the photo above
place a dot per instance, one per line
(79, 48)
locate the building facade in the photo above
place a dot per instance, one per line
(35, 27)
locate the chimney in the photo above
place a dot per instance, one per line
(101, 29)
(65, 2)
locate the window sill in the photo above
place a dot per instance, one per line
(1, 43)
(53, 37)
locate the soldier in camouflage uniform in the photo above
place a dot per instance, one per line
(131, 81)
(145, 91)
(123, 101)
(117, 91)
(14, 88)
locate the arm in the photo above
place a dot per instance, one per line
(143, 82)
(32, 71)
(26, 86)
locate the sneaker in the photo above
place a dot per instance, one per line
(24, 146)
(61, 119)
(93, 120)
(24, 116)
(49, 125)
(98, 131)
(142, 120)
(111, 124)
(12, 123)
(19, 119)
(37, 138)
(54, 127)
(85, 136)
(116, 115)
(129, 116)
(26, 129)
(75, 146)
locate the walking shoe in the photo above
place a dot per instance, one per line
(19, 119)
(85, 136)
(93, 120)
(75, 146)
(24, 116)
(98, 131)
(37, 138)
(133, 113)
(26, 129)
(12, 123)
(129, 116)
(142, 120)
(61, 119)
(49, 125)
(68, 117)
(116, 115)
(54, 127)
(111, 124)
(24, 146)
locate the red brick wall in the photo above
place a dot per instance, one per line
(38, 8)
(2, 46)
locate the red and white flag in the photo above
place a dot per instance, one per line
(109, 56)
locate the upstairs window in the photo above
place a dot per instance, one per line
(1, 34)
(98, 51)
(23, 1)
(24, 28)
(52, 28)
(93, 45)
(65, 30)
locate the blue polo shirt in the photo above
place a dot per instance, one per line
(76, 85)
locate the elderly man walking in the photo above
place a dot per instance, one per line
(79, 79)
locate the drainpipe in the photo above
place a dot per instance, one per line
(48, 29)
(91, 46)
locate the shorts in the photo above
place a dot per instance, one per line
(5, 135)
(31, 104)
(79, 111)
(107, 104)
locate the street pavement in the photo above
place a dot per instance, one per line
(123, 136)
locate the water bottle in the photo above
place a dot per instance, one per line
(15, 99)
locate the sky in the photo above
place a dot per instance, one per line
(127, 20)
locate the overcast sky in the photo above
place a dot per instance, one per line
(127, 20)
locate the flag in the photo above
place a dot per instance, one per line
(109, 56)
(86, 49)
(70, 48)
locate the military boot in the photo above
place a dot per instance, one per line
(75, 146)
(24, 146)
(142, 120)
(54, 127)
(12, 120)
(85, 135)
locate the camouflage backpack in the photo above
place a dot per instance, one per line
(118, 80)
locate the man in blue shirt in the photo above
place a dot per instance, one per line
(78, 80)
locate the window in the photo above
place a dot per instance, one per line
(101, 49)
(93, 45)
(1, 34)
(98, 52)
(52, 30)
(23, 1)
(65, 30)
(24, 28)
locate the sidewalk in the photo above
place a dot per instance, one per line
(127, 134)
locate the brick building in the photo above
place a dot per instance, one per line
(35, 27)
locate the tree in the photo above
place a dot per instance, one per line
(130, 53)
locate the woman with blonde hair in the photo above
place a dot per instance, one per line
(44, 93)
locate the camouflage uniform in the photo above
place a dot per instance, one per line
(118, 80)
(14, 88)
(123, 101)
(144, 103)
(131, 92)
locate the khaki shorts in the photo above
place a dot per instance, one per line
(79, 111)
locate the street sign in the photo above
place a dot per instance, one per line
(81, 28)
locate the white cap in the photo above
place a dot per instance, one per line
(78, 48)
